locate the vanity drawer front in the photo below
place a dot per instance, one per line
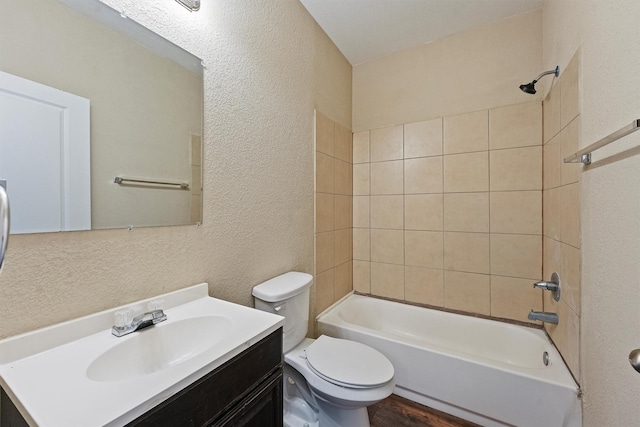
(261, 408)
(216, 393)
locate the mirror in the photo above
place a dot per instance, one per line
(100, 120)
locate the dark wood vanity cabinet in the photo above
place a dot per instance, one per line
(245, 391)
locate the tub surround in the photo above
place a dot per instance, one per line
(487, 372)
(333, 212)
(448, 211)
(61, 360)
(561, 205)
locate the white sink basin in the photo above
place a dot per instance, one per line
(158, 347)
(77, 373)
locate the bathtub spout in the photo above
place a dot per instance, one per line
(543, 316)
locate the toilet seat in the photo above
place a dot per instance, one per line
(348, 363)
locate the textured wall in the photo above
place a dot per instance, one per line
(607, 33)
(268, 66)
(474, 70)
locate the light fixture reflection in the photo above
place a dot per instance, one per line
(191, 5)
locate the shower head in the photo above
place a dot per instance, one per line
(531, 87)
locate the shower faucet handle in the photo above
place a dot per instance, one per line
(552, 285)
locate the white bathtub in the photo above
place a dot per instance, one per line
(488, 372)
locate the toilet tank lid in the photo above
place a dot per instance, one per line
(282, 287)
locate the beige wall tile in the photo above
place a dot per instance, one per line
(196, 179)
(343, 281)
(343, 178)
(423, 249)
(361, 244)
(516, 169)
(516, 255)
(196, 150)
(343, 246)
(325, 171)
(552, 163)
(325, 134)
(551, 213)
(466, 173)
(325, 251)
(424, 285)
(361, 147)
(386, 144)
(361, 211)
(324, 290)
(566, 336)
(387, 280)
(466, 212)
(423, 139)
(343, 144)
(518, 125)
(570, 279)
(518, 212)
(552, 258)
(387, 212)
(467, 252)
(362, 276)
(570, 214)
(570, 172)
(196, 208)
(423, 175)
(361, 179)
(325, 212)
(423, 212)
(570, 94)
(343, 214)
(387, 177)
(466, 133)
(467, 291)
(387, 246)
(513, 298)
(551, 112)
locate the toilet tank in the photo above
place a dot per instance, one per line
(288, 296)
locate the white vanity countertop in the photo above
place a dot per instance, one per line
(45, 371)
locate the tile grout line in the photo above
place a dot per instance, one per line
(444, 288)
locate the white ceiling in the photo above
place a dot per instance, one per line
(367, 29)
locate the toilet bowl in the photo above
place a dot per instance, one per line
(328, 382)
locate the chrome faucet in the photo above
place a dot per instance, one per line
(543, 316)
(125, 324)
(552, 285)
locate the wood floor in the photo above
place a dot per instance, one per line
(396, 411)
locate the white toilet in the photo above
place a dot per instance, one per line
(328, 382)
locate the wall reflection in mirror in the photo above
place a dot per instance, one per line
(87, 95)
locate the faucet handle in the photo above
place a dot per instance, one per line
(552, 285)
(123, 318)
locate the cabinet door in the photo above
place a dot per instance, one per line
(262, 408)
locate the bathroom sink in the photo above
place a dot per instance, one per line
(76, 373)
(159, 347)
